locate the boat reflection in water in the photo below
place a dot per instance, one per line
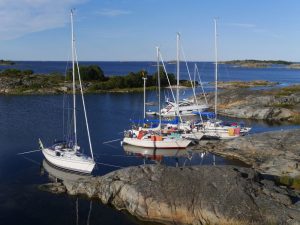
(58, 175)
(177, 157)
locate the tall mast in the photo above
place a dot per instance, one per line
(178, 67)
(144, 78)
(73, 75)
(158, 81)
(216, 69)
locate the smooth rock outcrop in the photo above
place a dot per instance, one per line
(191, 195)
(274, 153)
(273, 105)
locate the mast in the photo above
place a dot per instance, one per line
(178, 67)
(73, 75)
(158, 81)
(216, 69)
(144, 78)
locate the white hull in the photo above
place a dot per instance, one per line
(70, 161)
(195, 135)
(220, 134)
(182, 113)
(217, 130)
(166, 144)
(154, 152)
(185, 109)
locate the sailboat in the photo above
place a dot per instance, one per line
(215, 128)
(181, 107)
(66, 154)
(155, 137)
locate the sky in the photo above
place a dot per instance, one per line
(129, 30)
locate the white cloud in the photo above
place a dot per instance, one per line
(113, 12)
(21, 17)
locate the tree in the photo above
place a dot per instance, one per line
(163, 78)
(88, 73)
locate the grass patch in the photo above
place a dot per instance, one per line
(296, 118)
(283, 105)
(291, 182)
(286, 91)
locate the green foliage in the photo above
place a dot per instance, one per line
(11, 72)
(132, 80)
(163, 78)
(286, 91)
(16, 72)
(28, 72)
(293, 182)
(88, 73)
(187, 83)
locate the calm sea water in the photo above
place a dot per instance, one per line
(24, 119)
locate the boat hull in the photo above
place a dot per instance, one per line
(177, 144)
(69, 162)
(196, 136)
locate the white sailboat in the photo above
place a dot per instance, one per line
(155, 137)
(66, 154)
(184, 107)
(215, 128)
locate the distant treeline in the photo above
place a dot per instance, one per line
(254, 61)
(94, 73)
(95, 79)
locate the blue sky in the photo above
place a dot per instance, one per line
(129, 30)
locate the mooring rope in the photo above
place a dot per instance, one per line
(111, 165)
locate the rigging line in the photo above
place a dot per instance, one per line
(165, 70)
(125, 156)
(193, 88)
(31, 160)
(83, 104)
(114, 147)
(111, 165)
(201, 84)
(106, 142)
(23, 153)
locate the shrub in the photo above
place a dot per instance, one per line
(88, 73)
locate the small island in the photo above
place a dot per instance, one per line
(19, 82)
(6, 62)
(253, 63)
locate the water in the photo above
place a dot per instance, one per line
(226, 72)
(24, 119)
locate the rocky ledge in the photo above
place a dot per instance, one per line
(245, 84)
(281, 104)
(274, 153)
(190, 195)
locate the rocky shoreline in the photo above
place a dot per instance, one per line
(279, 104)
(275, 153)
(190, 195)
(207, 194)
